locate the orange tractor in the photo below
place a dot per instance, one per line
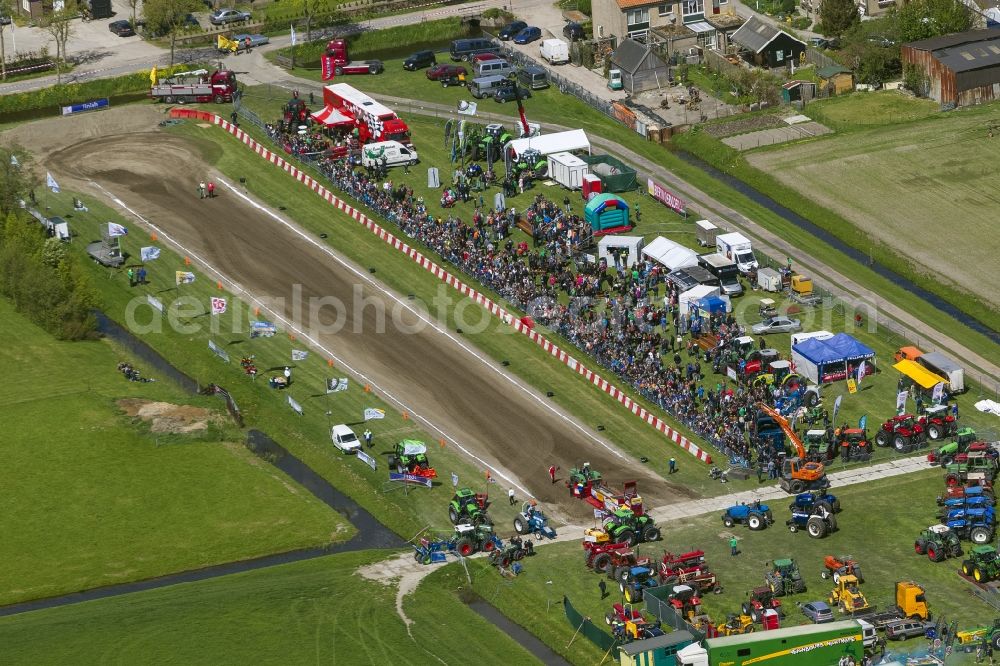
(797, 474)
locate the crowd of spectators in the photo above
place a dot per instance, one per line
(628, 318)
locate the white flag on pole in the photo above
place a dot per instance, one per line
(294, 37)
(218, 305)
(371, 413)
(51, 183)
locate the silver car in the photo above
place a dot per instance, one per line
(223, 16)
(818, 611)
(777, 325)
(255, 40)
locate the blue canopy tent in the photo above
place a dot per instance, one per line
(829, 360)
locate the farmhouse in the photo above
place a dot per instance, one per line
(641, 68)
(766, 46)
(682, 26)
(960, 69)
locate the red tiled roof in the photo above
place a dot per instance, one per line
(629, 4)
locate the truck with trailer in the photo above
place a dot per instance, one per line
(196, 86)
(724, 269)
(737, 247)
(336, 62)
(807, 645)
(374, 121)
(941, 365)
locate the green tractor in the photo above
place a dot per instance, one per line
(975, 466)
(983, 564)
(581, 480)
(819, 445)
(945, 455)
(784, 578)
(471, 539)
(938, 542)
(489, 145)
(469, 507)
(532, 162)
(410, 457)
(623, 526)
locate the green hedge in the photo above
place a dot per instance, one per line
(378, 42)
(73, 93)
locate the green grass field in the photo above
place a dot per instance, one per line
(881, 540)
(936, 171)
(852, 112)
(93, 499)
(318, 611)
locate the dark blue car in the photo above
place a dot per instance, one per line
(528, 35)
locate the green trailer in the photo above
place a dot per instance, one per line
(807, 645)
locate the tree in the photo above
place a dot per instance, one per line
(133, 5)
(59, 24)
(921, 19)
(6, 9)
(837, 16)
(17, 178)
(167, 17)
(309, 10)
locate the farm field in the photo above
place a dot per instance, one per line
(904, 184)
(882, 540)
(95, 498)
(318, 611)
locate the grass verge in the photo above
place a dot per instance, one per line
(94, 499)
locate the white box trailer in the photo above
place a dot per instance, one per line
(568, 170)
(769, 279)
(940, 364)
(629, 249)
(706, 232)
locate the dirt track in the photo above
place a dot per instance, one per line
(151, 172)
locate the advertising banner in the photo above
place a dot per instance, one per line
(93, 105)
(410, 478)
(367, 459)
(665, 196)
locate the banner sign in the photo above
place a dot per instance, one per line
(410, 478)
(836, 407)
(336, 385)
(155, 302)
(94, 105)
(852, 386)
(938, 395)
(665, 196)
(372, 413)
(219, 351)
(262, 329)
(218, 305)
(329, 65)
(454, 480)
(901, 401)
(149, 253)
(299, 355)
(367, 459)
(598, 514)
(731, 373)
(296, 407)
(863, 422)
(183, 277)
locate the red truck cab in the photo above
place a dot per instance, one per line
(337, 62)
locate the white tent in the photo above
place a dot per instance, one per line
(559, 142)
(695, 293)
(670, 254)
(631, 247)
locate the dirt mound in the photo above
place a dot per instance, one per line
(165, 417)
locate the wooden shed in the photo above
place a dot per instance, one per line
(641, 68)
(766, 46)
(835, 79)
(960, 69)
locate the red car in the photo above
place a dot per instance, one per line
(444, 71)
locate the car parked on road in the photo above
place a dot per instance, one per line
(345, 439)
(225, 15)
(528, 35)
(776, 325)
(121, 28)
(817, 611)
(511, 29)
(573, 31)
(445, 71)
(255, 40)
(419, 60)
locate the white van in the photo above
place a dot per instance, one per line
(498, 67)
(556, 51)
(392, 152)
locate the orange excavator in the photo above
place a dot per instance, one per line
(797, 475)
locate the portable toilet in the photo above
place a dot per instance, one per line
(591, 186)
(606, 212)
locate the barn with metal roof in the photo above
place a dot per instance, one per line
(959, 69)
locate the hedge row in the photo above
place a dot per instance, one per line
(373, 43)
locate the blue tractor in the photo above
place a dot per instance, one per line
(817, 522)
(967, 502)
(810, 501)
(531, 520)
(635, 581)
(977, 525)
(755, 515)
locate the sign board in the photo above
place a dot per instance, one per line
(94, 105)
(665, 197)
(334, 385)
(219, 351)
(852, 386)
(598, 514)
(410, 478)
(155, 302)
(367, 459)
(901, 401)
(296, 407)
(262, 329)
(731, 373)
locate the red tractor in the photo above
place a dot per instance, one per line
(968, 490)
(761, 599)
(844, 565)
(598, 556)
(685, 600)
(904, 433)
(939, 423)
(688, 569)
(628, 624)
(853, 444)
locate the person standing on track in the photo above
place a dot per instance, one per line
(552, 473)
(211, 190)
(201, 189)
